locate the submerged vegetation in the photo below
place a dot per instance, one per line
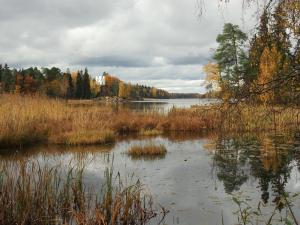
(27, 120)
(36, 194)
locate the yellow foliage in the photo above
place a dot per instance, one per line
(124, 90)
(212, 77)
(268, 69)
(95, 87)
(154, 92)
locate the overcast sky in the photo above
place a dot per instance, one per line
(155, 42)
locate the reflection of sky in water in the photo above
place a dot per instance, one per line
(164, 105)
(190, 179)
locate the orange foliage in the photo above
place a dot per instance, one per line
(110, 80)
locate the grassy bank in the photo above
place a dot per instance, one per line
(35, 194)
(28, 120)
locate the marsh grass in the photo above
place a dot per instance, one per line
(150, 132)
(27, 120)
(149, 149)
(34, 194)
(90, 137)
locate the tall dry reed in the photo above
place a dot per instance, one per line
(36, 194)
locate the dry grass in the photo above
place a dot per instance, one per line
(90, 137)
(152, 132)
(27, 120)
(147, 150)
(37, 195)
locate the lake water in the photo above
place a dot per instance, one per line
(199, 174)
(164, 105)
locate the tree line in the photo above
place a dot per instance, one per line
(47, 81)
(53, 82)
(113, 86)
(263, 68)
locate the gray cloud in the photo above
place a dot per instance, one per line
(137, 40)
(113, 61)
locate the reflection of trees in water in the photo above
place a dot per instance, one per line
(229, 164)
(269, 159)
(297, 151)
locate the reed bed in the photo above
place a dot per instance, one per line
(150, 132)
(90, 137)
(34, 194)
(149, 149)
(26, 120)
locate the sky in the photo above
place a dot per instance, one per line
(162, 43)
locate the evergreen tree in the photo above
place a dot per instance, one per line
(86, 85)
(79, 85)
(67, 86)
(7, 79)
(1, 72)
(231, 58)
(71, 89)
(52, 74)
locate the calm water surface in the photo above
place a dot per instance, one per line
(197, 177)
(164, 105)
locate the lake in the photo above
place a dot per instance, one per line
(163, 105)
(199, 174)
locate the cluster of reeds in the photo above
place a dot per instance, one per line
(149, 149)
(38, 195)
(90, 137)
(27, 120)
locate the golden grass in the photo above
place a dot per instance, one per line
(150, 132)
(147, 150)
(27, 120)
(90, 137)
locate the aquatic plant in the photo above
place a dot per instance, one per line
(246, 214)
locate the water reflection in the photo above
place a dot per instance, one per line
(160, 105)
(197, 176)
(269, 159)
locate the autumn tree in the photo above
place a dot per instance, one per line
(95, 88)
(278, 31)
(212, 78)
(122, 90)
(30, 84)
(19, 83)
(112, 84)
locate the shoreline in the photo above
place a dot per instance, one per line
(27, 121)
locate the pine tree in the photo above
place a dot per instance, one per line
(7, 79)
(231, 58)
(86, 85)
(79, 85)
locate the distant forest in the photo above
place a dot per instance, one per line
(53, 82)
